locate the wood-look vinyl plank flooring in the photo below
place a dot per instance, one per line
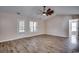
(36, 44)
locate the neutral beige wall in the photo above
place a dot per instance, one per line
(8, 27)
(58, 26)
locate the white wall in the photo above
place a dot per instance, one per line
(8, 27)
(58, 26)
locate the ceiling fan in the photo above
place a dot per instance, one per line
(47, 12)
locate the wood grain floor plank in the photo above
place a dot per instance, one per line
(36, 44)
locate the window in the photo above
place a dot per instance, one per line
(33, 26)
(73, 30)
(74, 39)
(74, 26)
(21, 26)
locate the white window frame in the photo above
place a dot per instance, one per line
(33, 26)
(73, 30)
(21, 26)
(74, 26)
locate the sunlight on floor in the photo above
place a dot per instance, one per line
(73, 39)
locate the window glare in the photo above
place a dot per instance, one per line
(73, 30)
(21, 26)
(73, 39)
(33, 26)
(74, 26)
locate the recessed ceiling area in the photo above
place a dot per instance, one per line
(35, 11)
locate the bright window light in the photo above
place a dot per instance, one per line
(73, 30)
(33, 26)
(74, 26)
(21, 26)
(73, 39)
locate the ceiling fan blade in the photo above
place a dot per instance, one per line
(52, 11)
(49, 10)
(45, 12)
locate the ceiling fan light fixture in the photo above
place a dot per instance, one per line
(44, 13)
(47, 12)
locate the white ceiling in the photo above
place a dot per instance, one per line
(36, 10)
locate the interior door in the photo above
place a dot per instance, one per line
(73, 30)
